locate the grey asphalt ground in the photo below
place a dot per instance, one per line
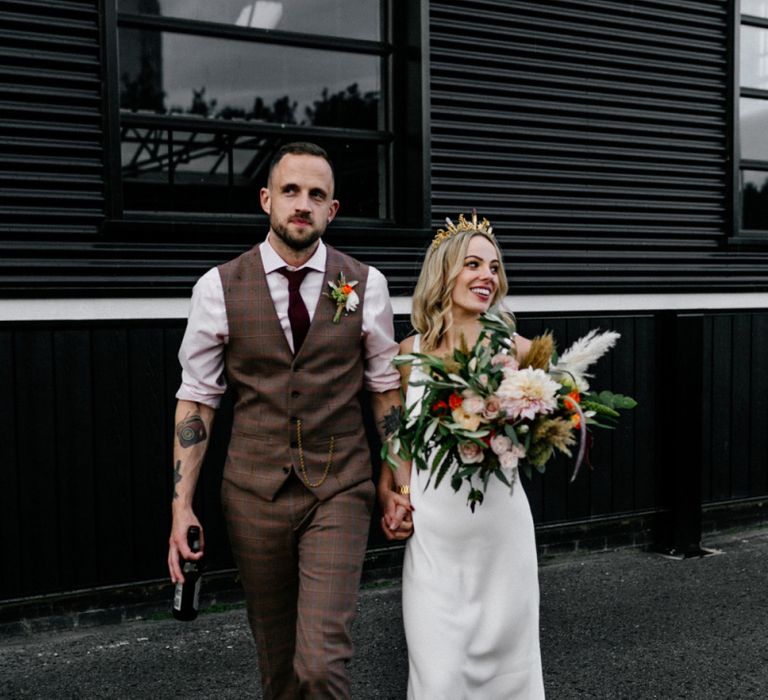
(616, 624)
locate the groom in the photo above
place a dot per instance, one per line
(297, 491)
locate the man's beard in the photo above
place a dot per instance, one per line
(297, 244)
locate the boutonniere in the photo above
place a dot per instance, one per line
(345, 296)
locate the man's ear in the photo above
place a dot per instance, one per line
(332, 211)
(265, 199)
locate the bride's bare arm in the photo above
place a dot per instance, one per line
(396, 521)
(522, 346)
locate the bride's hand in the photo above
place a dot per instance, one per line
(396, 523)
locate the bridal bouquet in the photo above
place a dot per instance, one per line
(486, 413)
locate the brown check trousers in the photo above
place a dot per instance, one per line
(300, 561)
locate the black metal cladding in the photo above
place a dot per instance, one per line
(51, 155)
(581, 118)
(592, 134)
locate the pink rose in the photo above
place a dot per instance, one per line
(505, 360)
(501, 444)
(508, 460)
(473, 405)
(492, 408)
(470, 453)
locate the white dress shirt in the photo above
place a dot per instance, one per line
(202, 349)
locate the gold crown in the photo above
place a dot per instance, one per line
(443, 234)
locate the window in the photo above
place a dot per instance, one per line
(208, 91)
(753, 116)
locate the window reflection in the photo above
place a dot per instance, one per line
(223, 79)
(756, 8)
(753, 117)
(197, 171)
(356, 19)
(754, 193)
(219, 168)
(754, 57)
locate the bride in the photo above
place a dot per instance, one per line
(470, 580)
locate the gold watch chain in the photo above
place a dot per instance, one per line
(303, 467)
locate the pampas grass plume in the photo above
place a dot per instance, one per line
(587, 350)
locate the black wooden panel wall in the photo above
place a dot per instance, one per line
(85, 459)
(51, 164)
(735, 386)
(622, 474)
(87, 416)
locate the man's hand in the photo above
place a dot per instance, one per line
(193, 426)
(178, 545)
(396, 521)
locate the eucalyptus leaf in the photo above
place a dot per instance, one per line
(511, 433)
(502, 477)
(442, 468)
(430, 431)
(527, 470)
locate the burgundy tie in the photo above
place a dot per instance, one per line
(297, 311)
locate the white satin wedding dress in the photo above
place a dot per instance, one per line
(470, 591)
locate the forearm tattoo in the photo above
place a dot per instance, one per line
(176, 477)
(392, 420)
(191, 430)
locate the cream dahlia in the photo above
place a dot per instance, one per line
(527, 392)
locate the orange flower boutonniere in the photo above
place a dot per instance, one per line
(344, 295)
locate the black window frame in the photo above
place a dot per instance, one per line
(740, 235)
(404, 78)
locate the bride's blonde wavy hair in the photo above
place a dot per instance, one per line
(432, 311)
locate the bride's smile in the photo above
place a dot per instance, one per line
(477, 284)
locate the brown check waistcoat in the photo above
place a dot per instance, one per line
(320, 386)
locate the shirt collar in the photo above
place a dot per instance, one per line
(272, 261)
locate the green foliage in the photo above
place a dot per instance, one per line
(435, 438)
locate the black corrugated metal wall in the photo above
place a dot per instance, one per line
(590, 131)
(51, 119)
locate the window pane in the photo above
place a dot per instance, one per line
(360, 174)
(194, 171)
(756, 8)
(224, 79)
(753, 117)
(183, 171)
(354, 19)
(754, 57)
(754, 197)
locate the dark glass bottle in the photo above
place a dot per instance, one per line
(186, 598)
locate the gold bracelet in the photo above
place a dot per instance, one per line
(403, 490)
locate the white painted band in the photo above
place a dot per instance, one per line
(177, 308)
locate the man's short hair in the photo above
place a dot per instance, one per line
(300, 148)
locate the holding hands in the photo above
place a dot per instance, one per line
(395, 502)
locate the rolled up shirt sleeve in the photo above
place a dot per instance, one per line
(379, 335)
(202, 349)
